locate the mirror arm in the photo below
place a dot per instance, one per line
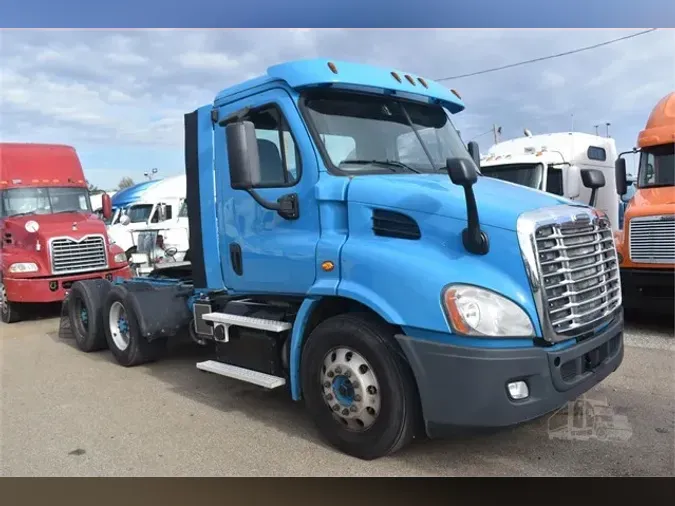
(593, 194)
(474, 239)
(286, 206)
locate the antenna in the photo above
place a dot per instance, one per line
(607, 125)
(596, 129)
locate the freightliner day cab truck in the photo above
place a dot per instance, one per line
(394, 298)
(49, 235)
(646, 244)
(562, 163)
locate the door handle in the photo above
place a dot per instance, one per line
(235, 258)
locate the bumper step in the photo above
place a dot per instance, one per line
(241, 374)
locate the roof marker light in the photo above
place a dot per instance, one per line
(424, 83)
(396, 76)
(410, 80)
(454, 92)
(332, 67)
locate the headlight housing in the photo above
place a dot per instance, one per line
(474, 311)
(120, 258)
(23, 267)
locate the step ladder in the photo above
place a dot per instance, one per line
(225, 321)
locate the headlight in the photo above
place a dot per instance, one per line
(23, 267)
(474, 311)
(120, 258)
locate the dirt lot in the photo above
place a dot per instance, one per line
(66, 413)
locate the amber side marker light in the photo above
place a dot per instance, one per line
(328, 266)
(455, 316)
(332, 67)
(396, 76)
(424, 83)
(410, 80)
(454, 92)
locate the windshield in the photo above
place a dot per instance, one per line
(365, 133)
(183, 210)
(526, 174)
(657, 167)
(139, 213)
(24, 201)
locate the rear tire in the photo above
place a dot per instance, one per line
(122, 333)
(9, 311)
(376, 399)
(85, 313)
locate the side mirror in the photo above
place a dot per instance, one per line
(474, 151)
(461, 171)
(242, 154)
(620, 175)
(593, 179)
(573, 182)
(106, 205)
(125, 220)
(171, 252)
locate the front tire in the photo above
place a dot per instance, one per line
(9, 311)
(357, 386)
(122, 332)
(85, 313)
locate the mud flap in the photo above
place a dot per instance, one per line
(160, 312)
(65, 331)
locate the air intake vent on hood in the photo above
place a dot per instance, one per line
(393, 224)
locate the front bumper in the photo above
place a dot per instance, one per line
(648, 289)
(53, 289)
(467, 387)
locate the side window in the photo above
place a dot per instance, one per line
(554, 181)
(280, 163)
(596, 153)
(168, 212)
(339, 147)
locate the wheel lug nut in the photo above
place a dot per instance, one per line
(338, 370)
(357, 398)
(330, 374)
(336, 408)
(345, 412)
(348, 374)
(352, 408)
(326, 384)
(329, 397)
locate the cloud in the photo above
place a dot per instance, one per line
(107, 90)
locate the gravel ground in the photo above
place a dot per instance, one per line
(66, 413)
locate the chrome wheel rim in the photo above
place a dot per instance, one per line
(350, 388)
(4, 307)
(119, 325)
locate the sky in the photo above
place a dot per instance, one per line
(119, 96)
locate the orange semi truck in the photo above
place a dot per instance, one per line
(49, 235)
(646, 244)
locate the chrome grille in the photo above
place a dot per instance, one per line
(579, 273)
(71, 256)
(652, 239)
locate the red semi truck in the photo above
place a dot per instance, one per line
(49, 235)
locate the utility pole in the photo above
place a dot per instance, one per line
(496, 132)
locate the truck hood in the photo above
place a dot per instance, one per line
(75, 225)
(651, 202)
(499, 202)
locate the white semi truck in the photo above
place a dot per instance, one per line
(558, 163)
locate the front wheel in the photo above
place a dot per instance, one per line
(122, 332)
(9, 311)
(358, 388)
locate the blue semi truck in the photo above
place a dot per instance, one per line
(345, 246)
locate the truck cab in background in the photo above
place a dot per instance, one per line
(646, 244)
(396, 291)
(561, 163)
(157, 205)
(49, 234)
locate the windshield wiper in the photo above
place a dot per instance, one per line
(27, 213)
(390, 164)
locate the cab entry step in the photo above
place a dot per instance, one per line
(239, 373)
(225, 320)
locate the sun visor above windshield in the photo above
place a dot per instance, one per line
(327, 73)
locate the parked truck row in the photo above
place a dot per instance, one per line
(346, 245)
